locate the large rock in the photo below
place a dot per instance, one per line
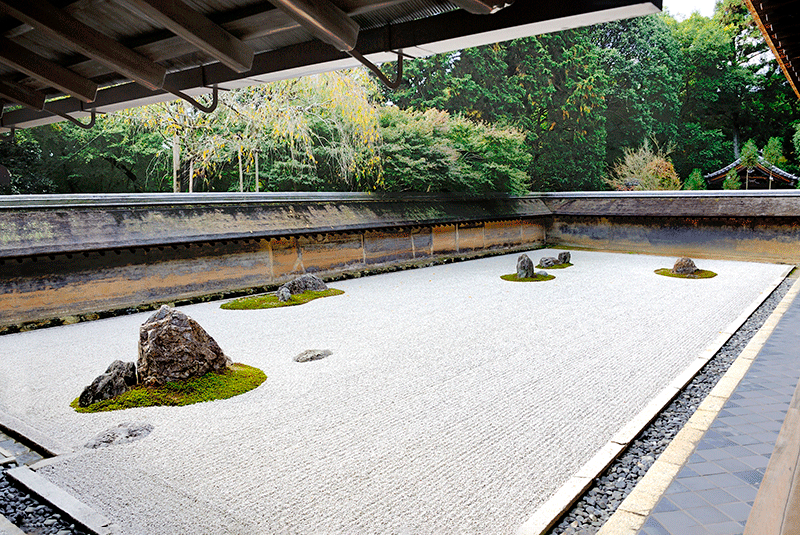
(117, 379)
(304, 283)
(548, 261)
(684, 266)
(564, 257)
(524, 267)
(174, 347)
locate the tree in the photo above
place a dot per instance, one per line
(773, 155)
(432, 151)
(643, 58)
(22, 156)
(643, 169)
(732, 180)
(749, 159)
(695, 181)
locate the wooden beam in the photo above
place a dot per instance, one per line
(46, 71)
(22, 95)
(323, 20)
(199, 30)
(76, 35)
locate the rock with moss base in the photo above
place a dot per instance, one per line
(524, 267)
(174, 347)
(304, 283)
(548, 261)
(117, 379)
(684, 266)
(564, 257)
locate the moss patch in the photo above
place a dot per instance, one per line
(699, 274)
(235, 380)
(271, 300)
(557, 266)
(536, 278)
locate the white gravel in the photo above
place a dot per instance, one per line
(454, 402)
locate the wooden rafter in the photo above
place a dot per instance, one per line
(76, 35)
(46, 71)
(198, 30)
(22, 95)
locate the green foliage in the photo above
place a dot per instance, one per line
(236, 379)
(644, 169)
(773, 152)
(699, 274)
(432, 151)
(750, 154)
(271, 300)
(695, 181)
(732, 180)
(512, 277)
(22, 157)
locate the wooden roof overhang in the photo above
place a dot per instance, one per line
(779, 21)
(64, 59)
(762, 171)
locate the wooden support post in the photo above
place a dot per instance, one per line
(241, 176)
(191, 176)
(176, 153)
(257, 185)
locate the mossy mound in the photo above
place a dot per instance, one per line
(536, 278)
(271, 300)
(236, 379)
(557, 266)
(699, 274)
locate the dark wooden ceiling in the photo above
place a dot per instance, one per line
(62, 59)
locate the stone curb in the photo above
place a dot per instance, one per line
(7, 528)
(559, 503)
(634, 510)
(6, 457)
(60, 500)
(17, 428)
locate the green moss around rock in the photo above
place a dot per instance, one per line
(557, 266)
(236, 379)
(271, 300)
(536, 278)
(699, 274)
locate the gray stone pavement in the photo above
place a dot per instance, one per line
(454, 402)
(714, 491)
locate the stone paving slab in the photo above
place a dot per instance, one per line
(714, 491)
(453, 401)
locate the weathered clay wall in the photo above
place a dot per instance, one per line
(40, 287)
(752, 226)
(67, 256)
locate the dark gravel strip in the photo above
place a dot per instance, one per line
(27, 512)
(592, 510)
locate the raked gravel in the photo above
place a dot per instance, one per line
(453, 402)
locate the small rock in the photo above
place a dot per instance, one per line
(283, 294)
(542, 273)
(684, 266)
(313, 354)
(117, 379)
(564, 257)
(524, 267)
(548, 261)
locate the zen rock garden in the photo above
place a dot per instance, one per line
(526, 271)
(562, 261)
(172, 347)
